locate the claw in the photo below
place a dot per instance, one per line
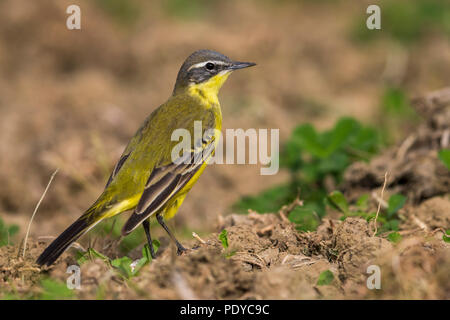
(181, 250)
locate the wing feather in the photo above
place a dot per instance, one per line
(119, 165)
(164, 182)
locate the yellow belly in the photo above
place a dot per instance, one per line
(171, 208)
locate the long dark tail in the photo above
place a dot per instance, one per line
(65, 239)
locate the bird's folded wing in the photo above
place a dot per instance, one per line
(119, 165)
(137, 138)
(165, 181)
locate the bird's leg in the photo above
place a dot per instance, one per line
(146, 225)
(180, 248)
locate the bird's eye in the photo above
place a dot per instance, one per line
(210, 66)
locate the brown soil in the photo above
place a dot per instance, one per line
(413, 165)
(46, 77)
(268, 258)
(271, 260)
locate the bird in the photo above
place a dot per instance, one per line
(149, 178)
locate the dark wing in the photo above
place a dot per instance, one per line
(165, 181)
(119, 165)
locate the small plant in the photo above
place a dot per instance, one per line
(325, 278)
(7, 232)
(112, 228)
(55, 290)
(337, 201)
(306, 219)
(446, 236)
(90, 255)
(388, 219)
(395, 203)
(395, 237)
(223, 238)
(314, 160)
(125, 265)
(129, 268)
(444, 156)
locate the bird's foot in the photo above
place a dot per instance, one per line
(181, 250)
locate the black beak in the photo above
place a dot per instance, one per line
(235, 65)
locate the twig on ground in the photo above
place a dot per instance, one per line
(379, 204)
(35, 210)
(420, 223)
(265, 230)
(438, 229)
(33, 269)
(383, 203)
(402, 232)
(445, 139)
(196, 236)
(401, 152)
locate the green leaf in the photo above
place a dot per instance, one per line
(395, 101)
(363, 202)
(128, 267)
(305, 218)
(325, 278)
(146, 252)
(123, 265)
(446, 237)
(395, 203)
(444, 156)
(371, 216)
(55, 290)
(313, 157)
(395, 237)
(388, 225)
(291, 156)
(90, 254)
(343, 129)
(146, 255)
(338, 201)
(364, 144)
(223, 238)
(146, 249)
(138, 266)
(7, 232)
(335, 163)
(309, 140)
(270, 200)
(13, 229)
(230, 254)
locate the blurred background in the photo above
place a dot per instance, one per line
(72, 99)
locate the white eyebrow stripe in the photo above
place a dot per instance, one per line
(202, 64)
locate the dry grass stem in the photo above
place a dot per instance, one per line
(196, 236)
(35, 210)
(379, 203)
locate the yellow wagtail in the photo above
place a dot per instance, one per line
(146, 178)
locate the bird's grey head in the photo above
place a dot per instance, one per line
(202, 65)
